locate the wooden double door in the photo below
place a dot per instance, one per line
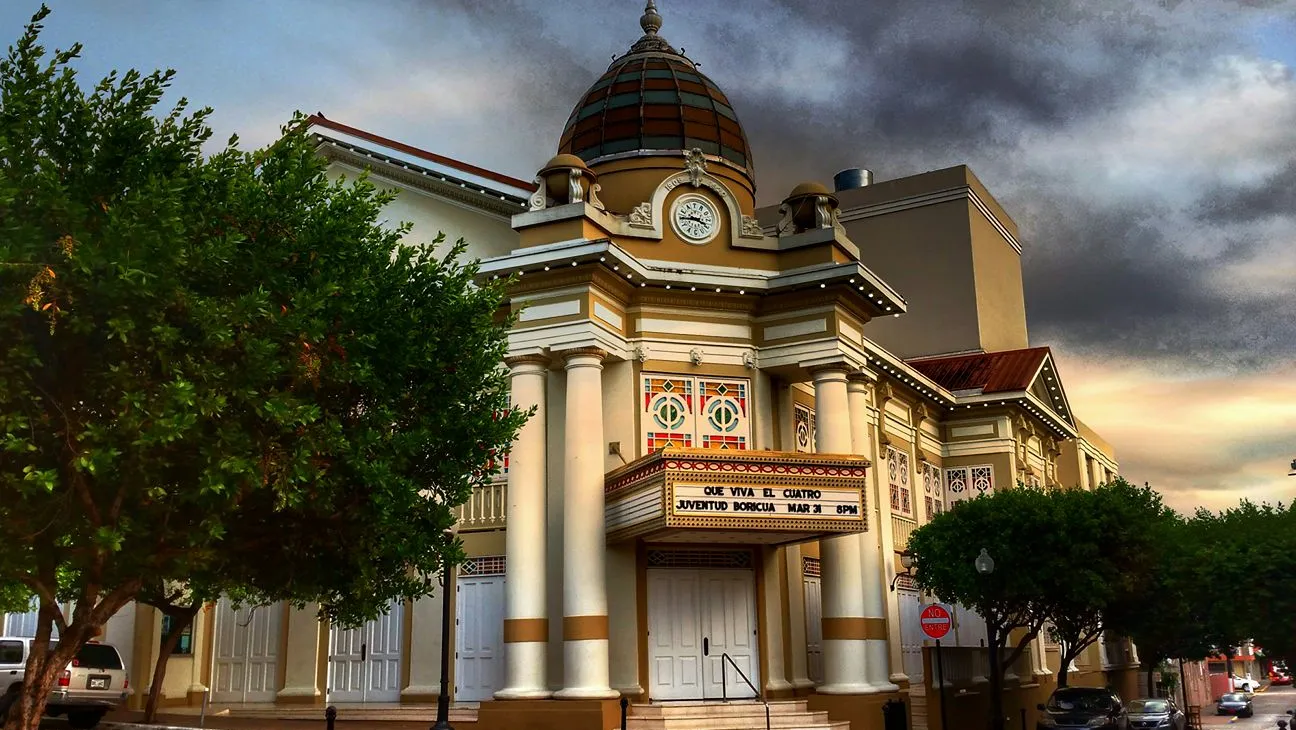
(695, 618)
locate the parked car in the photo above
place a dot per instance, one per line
(1235, 703)
(93, 683)
(1277, 678)
(1244, 684)
(1083, 707)
(1155, 713)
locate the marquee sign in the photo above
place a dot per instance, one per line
(728, 500)
(773, 497)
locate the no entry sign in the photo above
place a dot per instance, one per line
(935, 621)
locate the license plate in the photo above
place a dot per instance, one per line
(98, 683)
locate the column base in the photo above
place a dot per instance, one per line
(846, 688)
(524, 693)
(864, 712)
(548, 715)
(299, 696)
(587, 693)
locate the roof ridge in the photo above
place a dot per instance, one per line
(323, 121)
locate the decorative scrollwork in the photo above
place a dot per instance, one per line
(539, 199)
(575, 193)
(696, 164)
(593, 197)
(641, 215)
(751, 226)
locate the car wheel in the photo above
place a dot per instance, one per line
(84, 720)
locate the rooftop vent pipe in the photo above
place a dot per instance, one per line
(851, 178)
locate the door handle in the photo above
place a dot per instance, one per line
(706, 646)
(364, 651)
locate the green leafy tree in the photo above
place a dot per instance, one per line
(1113, 548)
(1174, 611)
(1021, 531)
(1253, 548)
(209, 356)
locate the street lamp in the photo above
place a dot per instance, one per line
(907, 561)
(1292, 473)
(443, 699)
(984, 563)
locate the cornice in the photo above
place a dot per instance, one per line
(476, 198)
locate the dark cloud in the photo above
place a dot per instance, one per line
(1273, 197)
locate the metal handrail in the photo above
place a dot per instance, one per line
(724, 685)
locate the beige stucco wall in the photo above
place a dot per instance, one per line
(487, 235)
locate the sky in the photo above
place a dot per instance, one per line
(1146, 148)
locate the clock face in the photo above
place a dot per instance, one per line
(696, 219)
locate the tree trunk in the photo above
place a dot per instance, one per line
(996, 678)
(1064, 671)
(181, 618)
(42, 669)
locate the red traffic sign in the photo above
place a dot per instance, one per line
(935, 621)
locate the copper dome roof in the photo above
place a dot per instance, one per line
(653, 98)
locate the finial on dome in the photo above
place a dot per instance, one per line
(650, 21)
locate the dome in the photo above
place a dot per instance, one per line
(810, 188)
(653, 98)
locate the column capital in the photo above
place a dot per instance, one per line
(516, 361)
(570, 357)
(831, 371)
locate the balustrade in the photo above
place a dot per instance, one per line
(901, 529)
(485, 508)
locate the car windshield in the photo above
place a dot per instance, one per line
(1080, 701)
(1149, 707)
(1233, 698)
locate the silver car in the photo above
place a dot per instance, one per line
(93, 683)
(1153, 713)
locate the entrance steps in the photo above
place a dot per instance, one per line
(917, 709)
(736, 715)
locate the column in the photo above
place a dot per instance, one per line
(425, 649)
(526, 622)
(301, 664)
(585, 612)
(845, 628)
(772, 596)
(876, 651)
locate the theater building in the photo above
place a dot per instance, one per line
(742, 414)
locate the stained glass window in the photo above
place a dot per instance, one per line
(803, 425)
(967, 482)
(933, 490)
(681, 411)
(898, 477)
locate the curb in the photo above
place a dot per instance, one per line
(141, 726)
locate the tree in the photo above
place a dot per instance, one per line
(1021, 530)
(1169, 612)
(218, 356)
(1113, 548)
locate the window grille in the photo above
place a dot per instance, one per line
(740, 559)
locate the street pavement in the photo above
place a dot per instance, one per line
(1270, 707)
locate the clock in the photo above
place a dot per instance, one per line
(695, 219)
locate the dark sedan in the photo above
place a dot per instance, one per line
(1083, 707)
(1235, 703)
(1153, 713)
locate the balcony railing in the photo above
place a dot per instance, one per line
(485, 509)
(901, 529)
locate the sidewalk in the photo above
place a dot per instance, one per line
(126, 720)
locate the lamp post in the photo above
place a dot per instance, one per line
(443, 698)
(985, 565)
(1292, 473)
(907, 562)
